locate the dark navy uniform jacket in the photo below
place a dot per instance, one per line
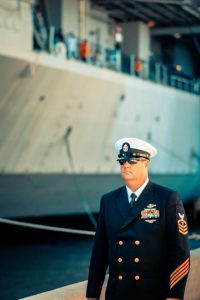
(146, 247)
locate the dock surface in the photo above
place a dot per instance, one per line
(77, 291)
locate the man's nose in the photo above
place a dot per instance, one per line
(126, 164)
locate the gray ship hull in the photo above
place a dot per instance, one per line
(60, 194)
(59, 122)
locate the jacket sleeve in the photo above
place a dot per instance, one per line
(99, 257)
(179, 254)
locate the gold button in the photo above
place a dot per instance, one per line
(136, 260)
(119, 259)
(121, 243)
(137, 277)
(137, 242)
(120, 277)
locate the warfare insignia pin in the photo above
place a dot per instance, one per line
(151, 205)
(182, 225)
(150, 221)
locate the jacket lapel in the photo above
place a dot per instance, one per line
(144, 199)
(123, 204)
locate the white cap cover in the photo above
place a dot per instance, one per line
(135, 147)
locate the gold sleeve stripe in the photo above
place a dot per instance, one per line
(179, 274)
(180, 277)
(179, 270)
(180, 267)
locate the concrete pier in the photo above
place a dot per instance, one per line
(77, 291)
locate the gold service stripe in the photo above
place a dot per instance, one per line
(180, 277)
(178, 274)
(183, 264)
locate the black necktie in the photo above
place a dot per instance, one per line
(133, 197)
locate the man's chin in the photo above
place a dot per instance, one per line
(127, 176)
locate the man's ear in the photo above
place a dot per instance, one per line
(147, 163)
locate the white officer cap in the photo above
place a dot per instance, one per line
(133, 147)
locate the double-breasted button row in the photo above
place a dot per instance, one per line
(136, 260)
(137, 277)
(137, 242)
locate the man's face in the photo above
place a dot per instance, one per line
(137, 172)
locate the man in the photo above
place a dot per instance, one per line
(141, 235)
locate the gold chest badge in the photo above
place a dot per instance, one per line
(150, 214)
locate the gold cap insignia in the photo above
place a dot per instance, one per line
(125, 147)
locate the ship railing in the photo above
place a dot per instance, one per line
(113, 58)
(188, 85)
(118, 61)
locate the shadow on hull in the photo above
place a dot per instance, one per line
(61, 194)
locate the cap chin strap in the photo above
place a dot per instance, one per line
(131, 156)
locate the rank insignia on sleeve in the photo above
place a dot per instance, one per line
(182, 225)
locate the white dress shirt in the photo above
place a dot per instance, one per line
(138, 192)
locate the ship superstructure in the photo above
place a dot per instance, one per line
(59, 120)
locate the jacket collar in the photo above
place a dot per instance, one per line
(130, 214)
